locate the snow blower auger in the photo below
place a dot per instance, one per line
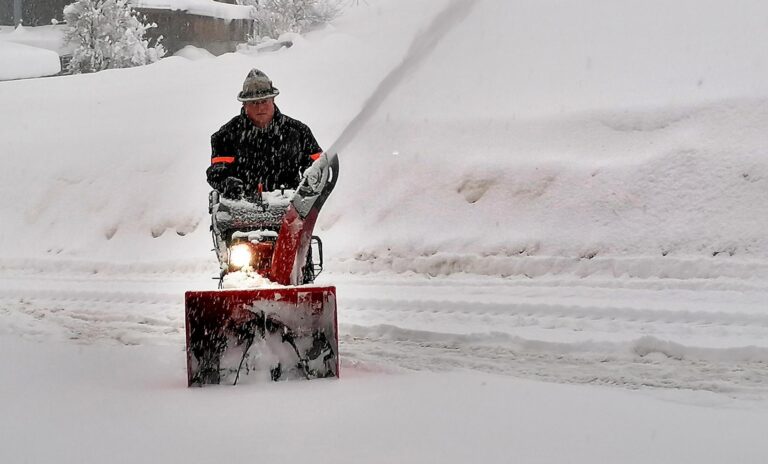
(280, 327)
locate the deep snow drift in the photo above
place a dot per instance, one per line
(596, 160)
(537, 191)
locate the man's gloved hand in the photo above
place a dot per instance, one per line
(216, 173)
(314, 177)
(233, 188)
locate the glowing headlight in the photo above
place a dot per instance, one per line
(240, 256)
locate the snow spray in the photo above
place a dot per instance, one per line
(420, 48)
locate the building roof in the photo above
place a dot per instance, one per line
(199, 7)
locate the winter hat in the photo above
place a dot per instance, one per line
(257, 86)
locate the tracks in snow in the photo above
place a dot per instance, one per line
(89, 316)
(626, 367)
(708, 334)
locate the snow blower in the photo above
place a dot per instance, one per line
(280, 326)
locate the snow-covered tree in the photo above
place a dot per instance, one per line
(274, 17)
(108, 34)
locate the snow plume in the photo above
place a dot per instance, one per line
(108, 34)
(420, 48)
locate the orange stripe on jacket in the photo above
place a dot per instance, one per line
(222, 159)
(316, 156)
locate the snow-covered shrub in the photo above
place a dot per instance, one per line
(275, 17)
(108, 34)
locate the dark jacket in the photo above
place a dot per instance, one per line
(274, 156)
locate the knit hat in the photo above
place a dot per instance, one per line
(257, 86)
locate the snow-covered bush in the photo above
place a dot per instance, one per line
(108, 34)
(275, 17)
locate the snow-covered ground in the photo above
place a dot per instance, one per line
(548, 240)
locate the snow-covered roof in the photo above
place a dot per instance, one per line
(199, 7)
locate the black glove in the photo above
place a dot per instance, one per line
(233, 188)
(216, 173)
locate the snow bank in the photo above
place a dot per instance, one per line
(23, 61)
(575, 147)
(581, 194)
(122, 178)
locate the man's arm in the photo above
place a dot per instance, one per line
(222, 158)
(310, 149)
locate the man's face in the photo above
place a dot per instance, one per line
(260, 112)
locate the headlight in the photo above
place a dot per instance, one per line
(240, 256)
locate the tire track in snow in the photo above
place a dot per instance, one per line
(643, 363)
(565, 314)
(644, 336)
(557, 280)
(513, 310)
(632, 338)
(517, 265)
(94, 316)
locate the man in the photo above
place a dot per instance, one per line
(260, 146)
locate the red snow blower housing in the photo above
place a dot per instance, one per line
(279, 326)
